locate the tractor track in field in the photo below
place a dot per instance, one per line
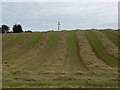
(89, 58)
(110, 47)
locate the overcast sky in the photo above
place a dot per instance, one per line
(72, 15)
(59, 0)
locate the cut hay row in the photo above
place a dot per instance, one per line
(116, 32)
(0, 61)
(73, 58)
(89, 58)
(100, 50)
(26, 46)
(30, 60)
(33, 52)
(44, 54)
(109, 46)
(55, 64)
(112, 36)
(10, 40)
(23, 45)
(14, 68)
(58, 59)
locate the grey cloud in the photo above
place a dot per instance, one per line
(72, 15)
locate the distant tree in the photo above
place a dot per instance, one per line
(17, 28)
(0, 30)
(5, 28)
(28, 31)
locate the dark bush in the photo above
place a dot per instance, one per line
(29, 31)
(17, 28)
(5, 28)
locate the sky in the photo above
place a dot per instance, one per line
(44, 16)
(60, 0)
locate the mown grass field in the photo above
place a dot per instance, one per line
(60, 59)
(0, 60)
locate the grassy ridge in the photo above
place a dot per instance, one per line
(99, 49)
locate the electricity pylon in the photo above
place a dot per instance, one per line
(58, 26)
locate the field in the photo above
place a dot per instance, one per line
(0, 61)
(60, 59)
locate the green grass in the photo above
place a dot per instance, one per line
(0, 40)
(21, 44)
(11, 40)
(112, 36)
(43, 54)
(73, 58)
(65, 84)
(99, 49)
(31, 52)
(51, 43)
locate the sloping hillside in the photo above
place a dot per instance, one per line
(60, 59)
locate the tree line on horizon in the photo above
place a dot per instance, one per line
(17, 28)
